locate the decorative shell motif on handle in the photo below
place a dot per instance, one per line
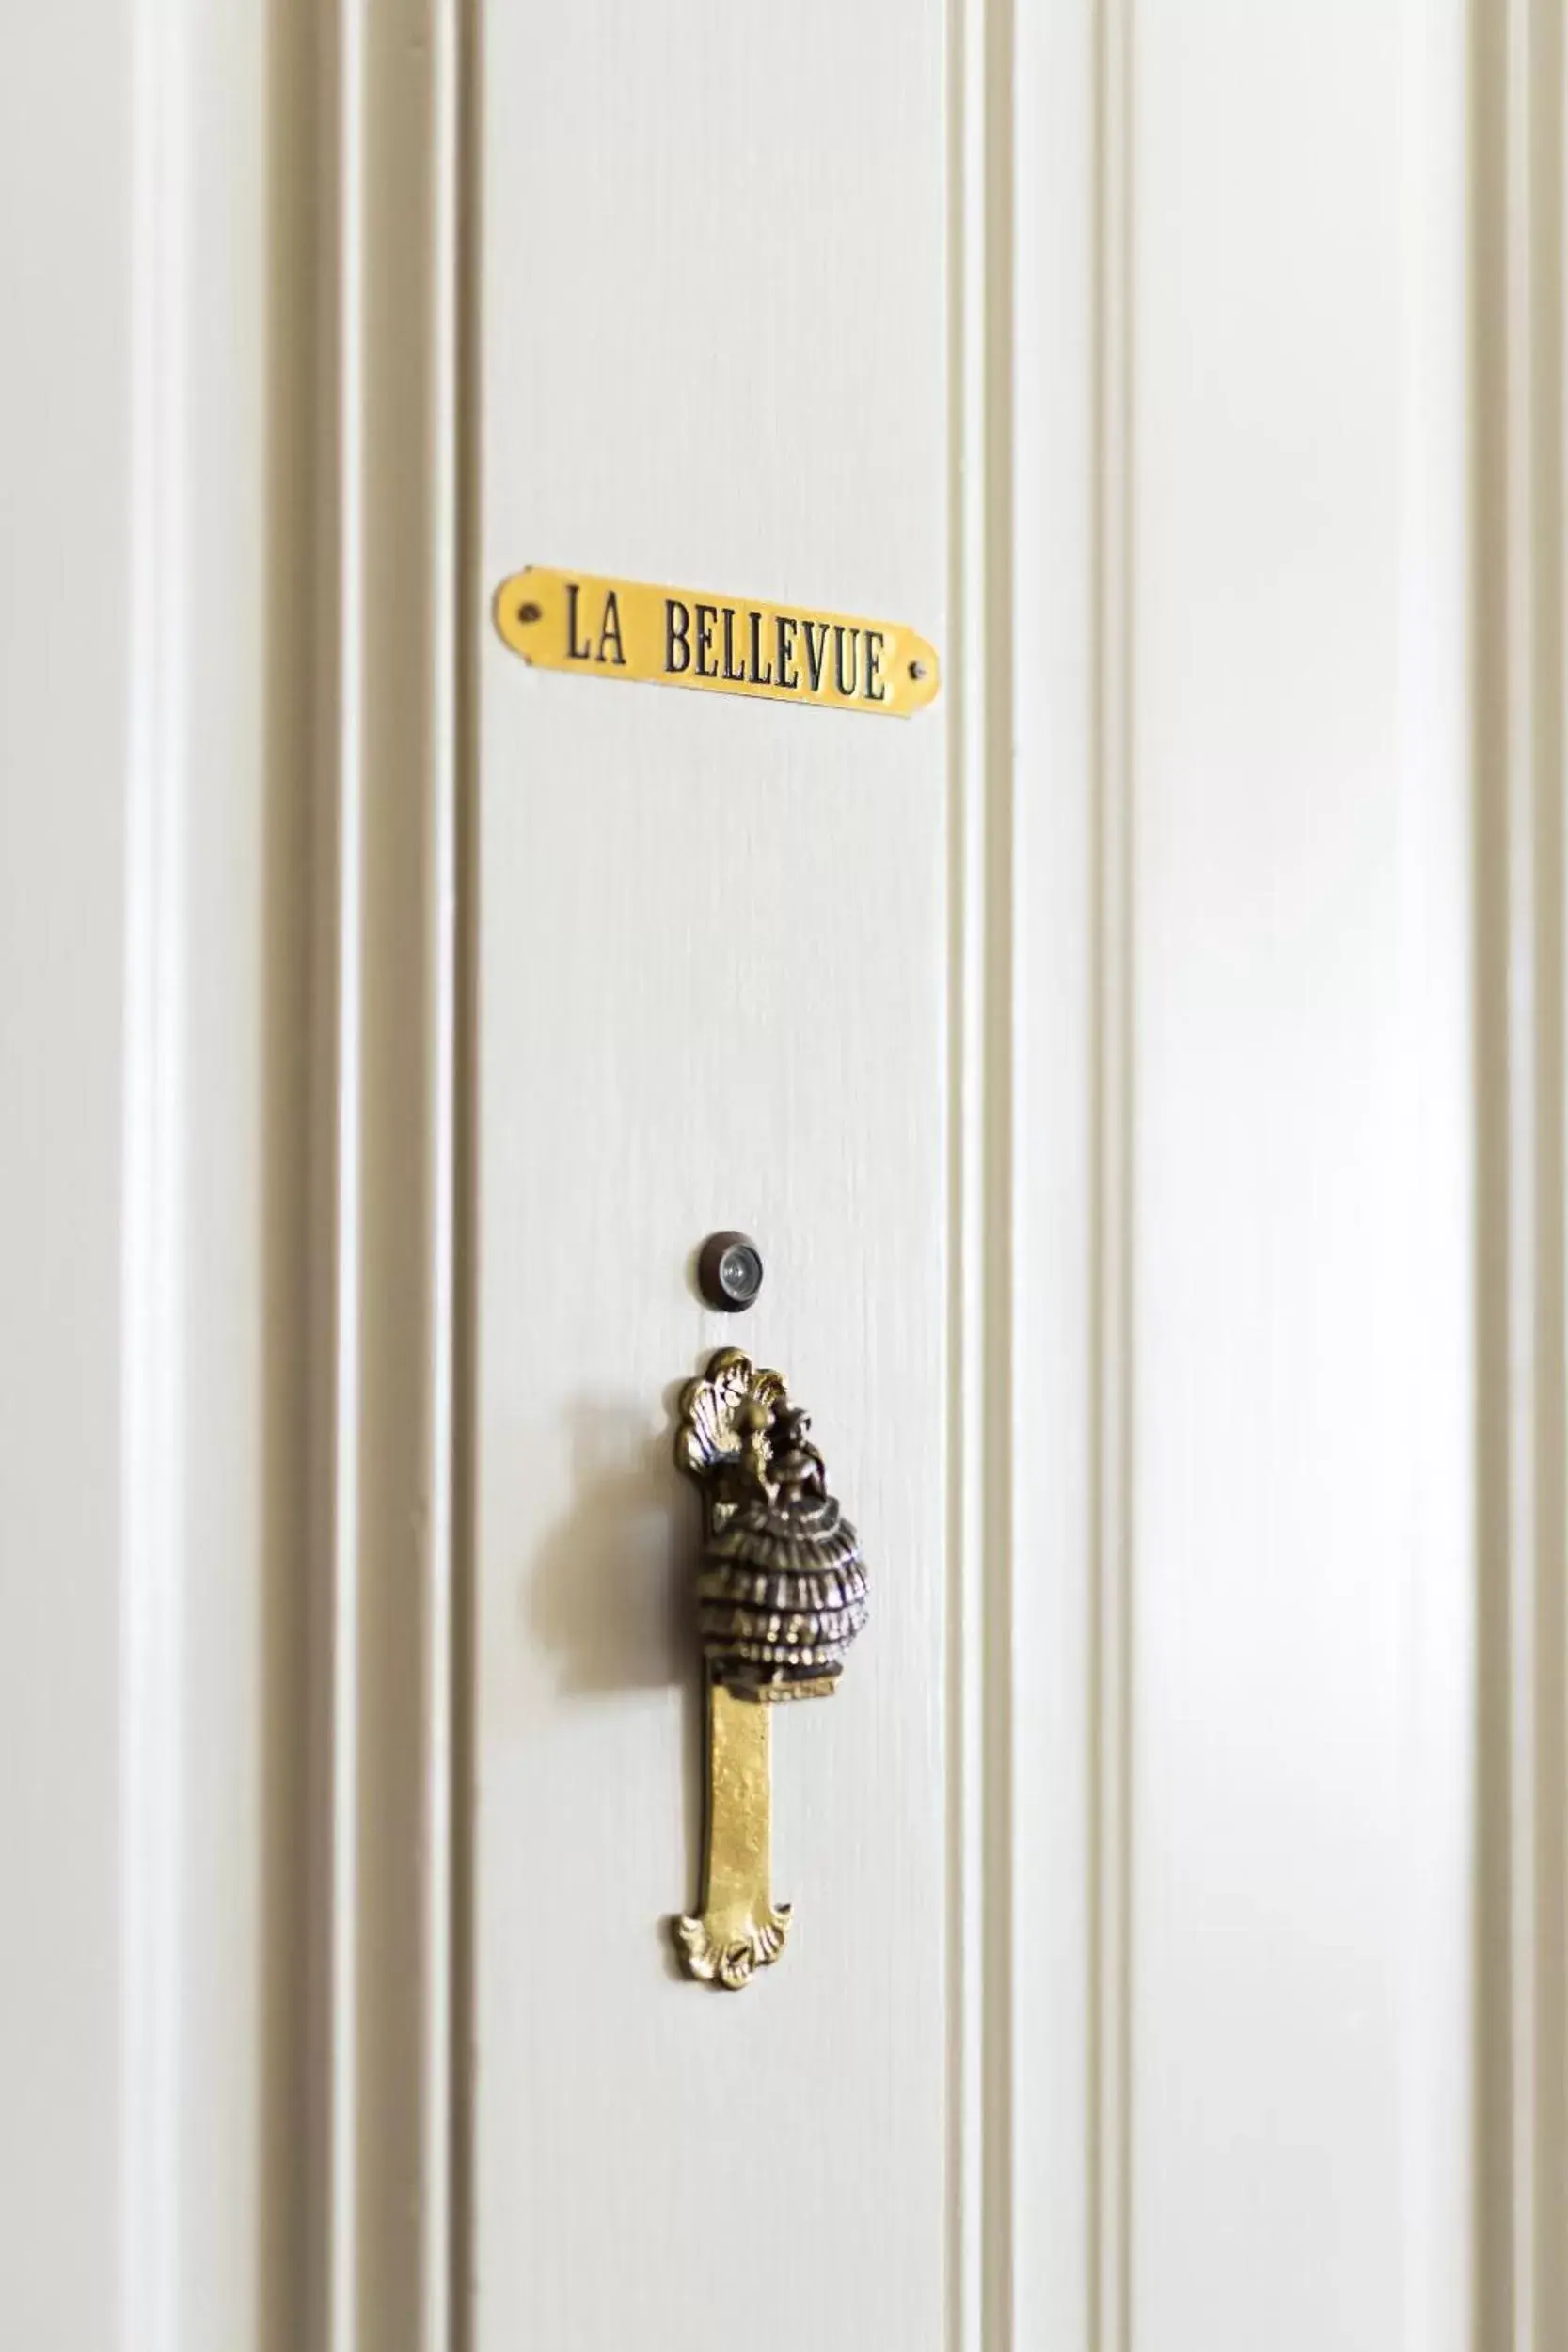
(722, 1416)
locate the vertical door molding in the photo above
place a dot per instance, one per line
(1065, 762)
(1522, 1991)
(282, 830)
(231, 281)
(289, 1218)
(1110, 1118)
(386, 1129)
(1041, 726)
(984, 1408)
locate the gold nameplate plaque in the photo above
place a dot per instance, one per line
(623, 628)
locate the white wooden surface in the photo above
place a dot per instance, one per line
(1299, 1639)
(144, 1479)
(62, 878)
(1146, 1077)
(711, 954)
(1243, 1808)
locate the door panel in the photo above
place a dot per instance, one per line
(1301, 1760)
(711, 993)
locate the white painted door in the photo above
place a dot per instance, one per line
(1143, 1071)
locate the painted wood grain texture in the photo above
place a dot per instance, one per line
(1244, 1012)
(1178, 1964)
(62, 943)
(711, 993)
(1301, 1496)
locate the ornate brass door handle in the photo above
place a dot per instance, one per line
(780, 1596)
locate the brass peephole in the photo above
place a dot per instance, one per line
(781, 1594)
